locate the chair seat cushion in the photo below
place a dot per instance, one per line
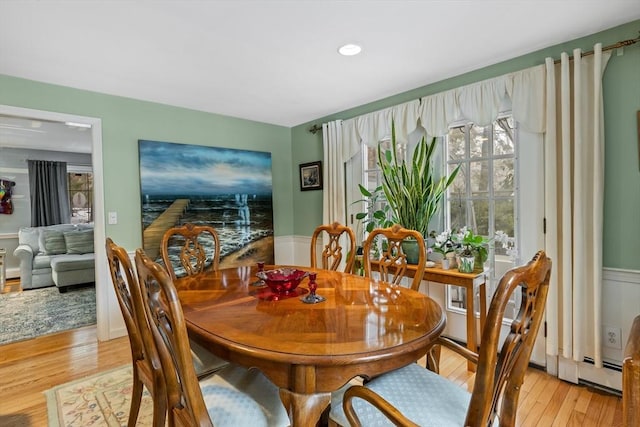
(228, 407)
(205, 362)
(236, 397)
(424, 397)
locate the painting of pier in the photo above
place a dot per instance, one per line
(228, 189)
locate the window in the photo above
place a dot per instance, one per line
(371, 178)
(80, 195)
(483, 196)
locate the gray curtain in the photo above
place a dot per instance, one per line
(49, 193)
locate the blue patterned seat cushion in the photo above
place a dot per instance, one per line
(230, 408)
(424, 397)
(237, 397)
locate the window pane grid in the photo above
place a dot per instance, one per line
(81, 197)
(483, 195)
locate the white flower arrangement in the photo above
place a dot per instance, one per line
(443, 243)
(508, 244)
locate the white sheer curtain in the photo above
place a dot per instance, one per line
(574, 188)
(564, 103)
(333, 194)
(333, 201)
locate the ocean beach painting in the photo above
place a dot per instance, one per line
(228, 189)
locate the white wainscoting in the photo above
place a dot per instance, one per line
(293, 250)
(620, 305)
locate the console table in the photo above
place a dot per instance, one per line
(469, 281)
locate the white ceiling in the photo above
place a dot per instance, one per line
(17, 132)
(276, 61)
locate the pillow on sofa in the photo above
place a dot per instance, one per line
(60, 228)
(54, 242)
(30, 236)
(79, 242)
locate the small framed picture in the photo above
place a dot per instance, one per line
(311, 176)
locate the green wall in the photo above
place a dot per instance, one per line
(125, 120)
(622, 176)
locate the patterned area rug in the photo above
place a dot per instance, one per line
(36, 312)
(103, 399)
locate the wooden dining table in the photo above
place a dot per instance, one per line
(363, 328)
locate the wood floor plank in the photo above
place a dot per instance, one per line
(582, 404)
(29, 368)
(607, 413)
(617, 415)
(593, 411)
(554, 404)
(567, 407)
(531, 420)
(527, 405)
(576, 419)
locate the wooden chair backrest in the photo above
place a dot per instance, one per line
(332, 252)
(392, 264)
(125, 282)
(631, 377)
(500, 372)
(184, 398)
(194, 240)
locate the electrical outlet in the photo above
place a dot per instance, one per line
(612, 337)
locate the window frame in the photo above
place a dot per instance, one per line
(452, 295)
(89, 192)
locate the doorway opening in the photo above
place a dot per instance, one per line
(93, 128)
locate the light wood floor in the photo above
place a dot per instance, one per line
(30, 367)
(11, 285)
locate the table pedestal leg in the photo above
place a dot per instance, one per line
(304, 409)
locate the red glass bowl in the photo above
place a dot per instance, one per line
(282, 280)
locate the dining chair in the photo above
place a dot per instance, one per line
(147, 370)
(199, 245)
(232, 396)
(332, 252)
(413, 395)
(392, 263)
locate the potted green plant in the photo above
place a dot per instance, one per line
(375, 215)
(413, 191)
(473, 250)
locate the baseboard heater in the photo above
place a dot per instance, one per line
(596, 386)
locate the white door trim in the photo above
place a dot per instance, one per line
(102, 281)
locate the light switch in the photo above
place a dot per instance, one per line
(113, 217)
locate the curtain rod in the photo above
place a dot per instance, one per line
(618, 45)
(315, 128)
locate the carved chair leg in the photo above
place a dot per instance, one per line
(433, 358)
(136, 398)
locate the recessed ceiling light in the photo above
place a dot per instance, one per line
(349, 49)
